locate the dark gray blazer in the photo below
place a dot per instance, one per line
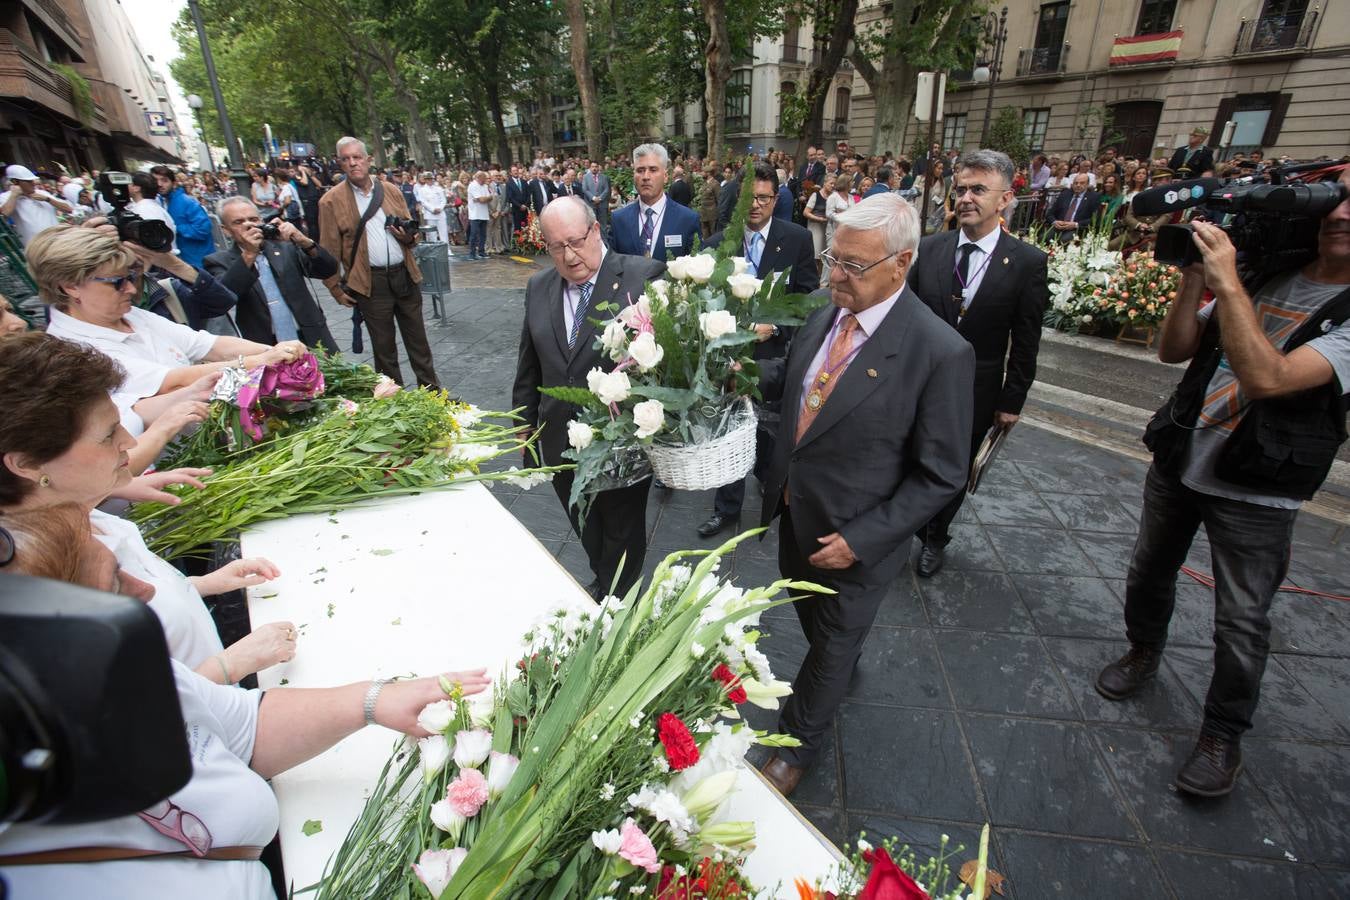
(546, 361)
(291, 266)
(889, 449)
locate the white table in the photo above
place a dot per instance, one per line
(420, 585)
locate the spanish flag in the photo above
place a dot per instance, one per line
(1146, 48)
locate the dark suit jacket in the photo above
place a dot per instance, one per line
(726, 200)
(681, 192)
(1203, 159)
(540, 191)
(890, 447)
(545, 360)
(291, 266)
(517, 196)
(678, 222)
(569, 190)
(788, 247)
(1003, 320)
(1059, 212)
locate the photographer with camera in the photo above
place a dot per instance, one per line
(266, 269)
(1250, 433)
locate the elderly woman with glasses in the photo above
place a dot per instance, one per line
(204, 840)
(92, 281)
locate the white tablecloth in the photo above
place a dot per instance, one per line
(419, 585)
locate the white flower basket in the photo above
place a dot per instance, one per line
(698, 467)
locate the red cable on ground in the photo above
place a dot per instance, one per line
(1208, 581)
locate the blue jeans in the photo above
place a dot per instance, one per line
(1249, 545)
(477, 236)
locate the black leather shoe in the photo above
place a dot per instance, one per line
(1127, 675)
(1213, 767)
(931, 558)
(716, 522)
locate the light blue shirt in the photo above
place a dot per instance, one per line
(283, 323)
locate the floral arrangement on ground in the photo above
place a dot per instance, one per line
(529, 237)
(1092, 286)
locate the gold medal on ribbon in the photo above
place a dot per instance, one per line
(814, 400)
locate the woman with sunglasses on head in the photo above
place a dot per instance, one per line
(205, 839)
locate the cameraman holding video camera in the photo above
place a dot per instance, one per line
(1250, 433)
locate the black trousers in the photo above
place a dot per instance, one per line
(615, 532)
(836, 626)
(729, 498)
(395, 298)
(938, 530)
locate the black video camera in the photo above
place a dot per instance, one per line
(398, 223)
(149, 233)
(1271, 224)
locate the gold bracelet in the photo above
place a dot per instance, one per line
(224, 670)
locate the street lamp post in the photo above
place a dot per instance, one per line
(236, 158)
(196, 103)
(995, 36)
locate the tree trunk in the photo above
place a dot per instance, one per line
(494, 95)
(543, 117)
(841, 32)
(374, 123)
(892, 98)
(580, 54)
(717, 72)
(417, 128)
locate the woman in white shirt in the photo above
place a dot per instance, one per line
(817, 205)
(92, 282)
(838, 201)
(1060, 179)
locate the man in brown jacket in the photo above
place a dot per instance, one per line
(379, 275)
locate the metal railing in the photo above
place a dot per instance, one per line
(1268, 34)
(1043, 60)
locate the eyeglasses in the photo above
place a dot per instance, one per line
(172, 821)
(853, 269)
(762, 199)
(118, 281)
(978, 190)
(575, 245)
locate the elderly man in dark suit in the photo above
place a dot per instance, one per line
(653, 225)
(517, 197)
(873, 440)
(770, 245)
(540, 190)
(1195, 157)
(992, 288)
(1073, 209)
(557, 348)
(268, 277)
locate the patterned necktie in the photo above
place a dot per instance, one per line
(836, 362)
(1073, 209)
(647, 229)
(579, 314)
(756, 253)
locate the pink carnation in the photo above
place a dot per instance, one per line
(636, 847)
(467, 793)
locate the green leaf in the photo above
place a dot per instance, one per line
(311, 827)
(575, 395)
(735, 339)
(672, 399)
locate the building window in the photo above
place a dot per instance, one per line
(1257, 118)
(1050, 28)
(1035, 122)
(1279, 24)
(954, 131)
(1155, 16)
(791, 30)
(841, 101)
(738, 102)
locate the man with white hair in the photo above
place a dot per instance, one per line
(30, 208)
(873, 441)
(653, 225)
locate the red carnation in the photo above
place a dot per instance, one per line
(681, 751)
(735, 693)
(887, 881)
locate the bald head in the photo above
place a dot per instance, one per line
(572, 238)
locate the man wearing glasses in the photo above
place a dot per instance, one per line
(782, 248)
(872, 443)
(991, 287)
(557, 348)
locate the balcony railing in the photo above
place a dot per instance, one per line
(24, 74)
(1274, 33)
(794, 55)
(1042, 60)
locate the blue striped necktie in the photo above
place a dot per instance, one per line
(579, 315)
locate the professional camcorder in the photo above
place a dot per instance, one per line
(398, 223)
(149, 233)
(1270, 224)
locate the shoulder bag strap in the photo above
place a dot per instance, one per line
(376, 202)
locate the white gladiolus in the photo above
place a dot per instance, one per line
(612, 387)
(743, 287)
(650, 417)
(436, 717)
(646, 352)
(579, 435)
(716, 323)
(472, 747)
(700, 268)
(678, 268)
(444, 817)
(434, 752)
(765, 694)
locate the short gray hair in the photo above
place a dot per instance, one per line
(988, 161)
(231, 201)
(571, 199)
(888, 213)
(344, 141)
(652, 150)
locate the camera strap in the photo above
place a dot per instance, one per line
(376, 204)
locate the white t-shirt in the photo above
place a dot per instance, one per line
(32, 214)
(188, 626)
(233, 801)
(477, 209)
(148, 352)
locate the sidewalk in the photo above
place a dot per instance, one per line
(974, 700)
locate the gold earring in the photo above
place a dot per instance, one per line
(44, 481)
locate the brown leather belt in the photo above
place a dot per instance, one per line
(110, 854)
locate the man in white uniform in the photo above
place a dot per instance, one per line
(431, 200)
(27, 206)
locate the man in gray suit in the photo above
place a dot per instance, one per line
(874, 440)
(595, 188)
(557, 347)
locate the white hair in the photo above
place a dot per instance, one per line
(232, 201)
(652, 150)
(344, 141)
(888, 213)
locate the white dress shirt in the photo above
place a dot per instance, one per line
(572, 292)
(659, 207)
(869, 320)
(381, 248)
(980, 260)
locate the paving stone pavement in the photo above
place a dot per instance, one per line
(974, 700)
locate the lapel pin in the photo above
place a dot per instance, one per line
(1005, 260)
(616, 286)
(871, 373)
(777, 249)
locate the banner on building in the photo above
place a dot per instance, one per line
(158, 124)
(1146, 48)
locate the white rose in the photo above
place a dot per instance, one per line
(472, 747)
(650, 417)
(716, 323)
(742, 265)
(436, 717)
(678, 268)
(700, 268)
(434, 753)
(613, 387)
(646, 352)
(579, 435)
(661, 288)
(743, 287)
(613, 339)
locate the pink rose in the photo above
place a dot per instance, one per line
(467, 793)
(636, 847)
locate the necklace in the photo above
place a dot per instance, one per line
(814, 398)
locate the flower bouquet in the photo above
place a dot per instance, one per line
(529, 237)
(888, 873)
(406, 443)
(599, 766)
(684, 373)
(1139, 293)
(1075, 271)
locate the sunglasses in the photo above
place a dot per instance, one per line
(119, 281)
